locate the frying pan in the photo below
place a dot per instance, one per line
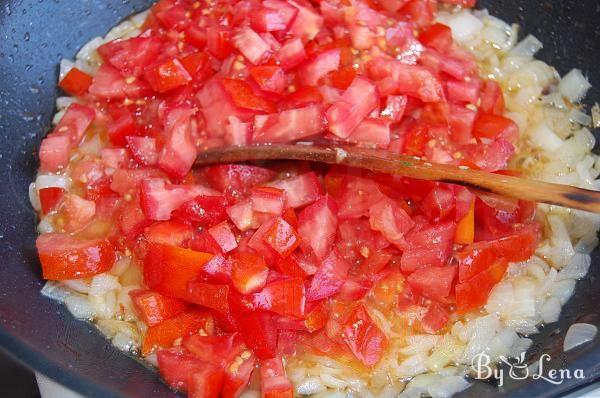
(36, 34)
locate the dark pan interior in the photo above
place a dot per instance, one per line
(36, 34)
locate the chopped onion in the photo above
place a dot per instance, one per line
(78, 285)
(45, 227)
(55, 291)
(79, 306)
(51, 181)
(34, 199)
(574, 85)
(448, 386)
(310, 385)
(464, 25)
(151, 359)
(578, 334)
(65, 67)
(527, 47)
(550, 310)
(577, 267)
(596, 116)
(102, 283)
(484, 329)
(63, 103)
(582, 118)
(543, 137)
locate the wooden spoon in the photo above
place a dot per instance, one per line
(390, 163)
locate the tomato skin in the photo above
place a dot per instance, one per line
(492, 126)
(438, 36)
(474, 292)
(364, 338)
(259, 333)
(208, 295)
(285, 297)
(49, 198)
(65, 257)
(165, 333)
(76, 82)
(154, 307)
(167, 76)
(249, 272)
(169, 269)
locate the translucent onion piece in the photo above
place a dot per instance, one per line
(578, 334)
(527, 47)
(574, 85)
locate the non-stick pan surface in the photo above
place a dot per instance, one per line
(36, 34)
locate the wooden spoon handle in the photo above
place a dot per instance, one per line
(390, 163)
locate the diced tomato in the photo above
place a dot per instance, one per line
(208, 295)
(76, 82)
(65, 257)
(320, 65)
(268, 200)
(54, 152)
(474, 292)
(121, 124)
(237, 178)
(492, 126)
(267, 19)
(174, 233)
(206, 383)
(330, 277)
(285, 297)
(179, 153)
(114, 157)
(249, 272)
(259, 333)
(143, 149)
(197, 65)
(172, 16)
(77, 212)
(438, 204)
(242, 215)
(394, 108)
(169, 269)
(372, 132)
(154, 307)
(177, 366)
(251, 45)
(438, 36)
(358, 194)
(435, 318)
(389, 218)
(217, 350)
(433, 282)
(317, 225)
(204, 210)
(307, 23)
(281, 237)
(291, 54)
(288, 125)
(465, 229)
(364, 338)
(167, 76)
(518, 246)
(354, 105)
(126, 181)
(414, 81)
(273, 380)
(159, 199)
(131, 219)
(463, 91)
(238, 375)
(74, 122)
(131, 56)
(238, 133)
(50, 197)
(110, 84)
(218, 41)
(300, 190)
(269, 78)
(428, 246)
(492, 98)
(244, 97)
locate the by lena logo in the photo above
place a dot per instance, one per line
(518, 369)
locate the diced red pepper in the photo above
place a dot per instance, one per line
(165, 333)
(259, 333)
(76, 82)
(249, 272)
(50, 197)
(208, 295)
(154, 307)
(364, 338)
(273, 380)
